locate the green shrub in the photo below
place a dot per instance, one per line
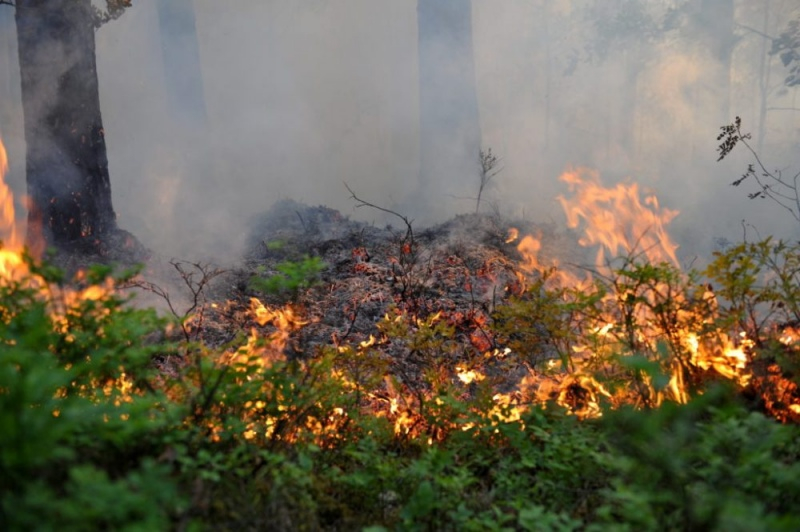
(92, 436)
(80, 424)
(291, 279)
(707, 465)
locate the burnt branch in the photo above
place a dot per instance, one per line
(361, 203)
(195, 277)
(489, 169)
(408, 254)
(757, 32)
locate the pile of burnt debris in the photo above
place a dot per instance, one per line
(459, 271)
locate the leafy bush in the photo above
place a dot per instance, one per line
(707, 465)
(759, 282)
(80, 423)
(291, 279)
(92, 435)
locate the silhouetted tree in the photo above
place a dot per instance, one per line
(7, 58)
(181, 56)
(67, 167)
(710, 24)
(627, 29)
(450, 135)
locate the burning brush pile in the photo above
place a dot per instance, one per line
(514, 310)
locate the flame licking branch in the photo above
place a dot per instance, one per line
(618, 221)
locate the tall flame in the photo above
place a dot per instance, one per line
(620, 220)
(10, 258)
(616, 219)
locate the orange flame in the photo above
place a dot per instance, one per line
(616, 219)
(619, 221)
(10, 258)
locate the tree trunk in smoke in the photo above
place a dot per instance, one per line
(763, 79)
(634, 63)
(450, 136)
(181, 56)
(548, 77)
(716, 22)
(67, 166)
(6, 51)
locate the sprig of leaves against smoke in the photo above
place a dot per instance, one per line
(771, 184)
(114, 9)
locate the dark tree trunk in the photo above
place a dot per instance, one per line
(722, 47)
(7, 58)
(714, 26)
(450, 135)
(181, 56)
(67, 166)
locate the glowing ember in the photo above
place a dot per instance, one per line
(469, 376)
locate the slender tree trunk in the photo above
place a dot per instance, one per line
(763, 80)
(6, 77)
(181, 56)
(548, 76)
(634, 65)
(716, 21)
(450, 136)
(67, 166)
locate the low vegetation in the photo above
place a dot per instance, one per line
(96, 434)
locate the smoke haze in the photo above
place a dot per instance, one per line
(300, 97)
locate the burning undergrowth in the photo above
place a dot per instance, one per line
(459, 271)
(414, 310)
(511, 310)
(476, 372)
(472, 305)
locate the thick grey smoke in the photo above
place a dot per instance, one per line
(301, 96)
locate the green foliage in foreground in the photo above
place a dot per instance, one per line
(236, 445)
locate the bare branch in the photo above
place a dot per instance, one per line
(362, 203)
(196, 278)
(489, 169)
(757, 32)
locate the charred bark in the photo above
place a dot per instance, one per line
(67, 166)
